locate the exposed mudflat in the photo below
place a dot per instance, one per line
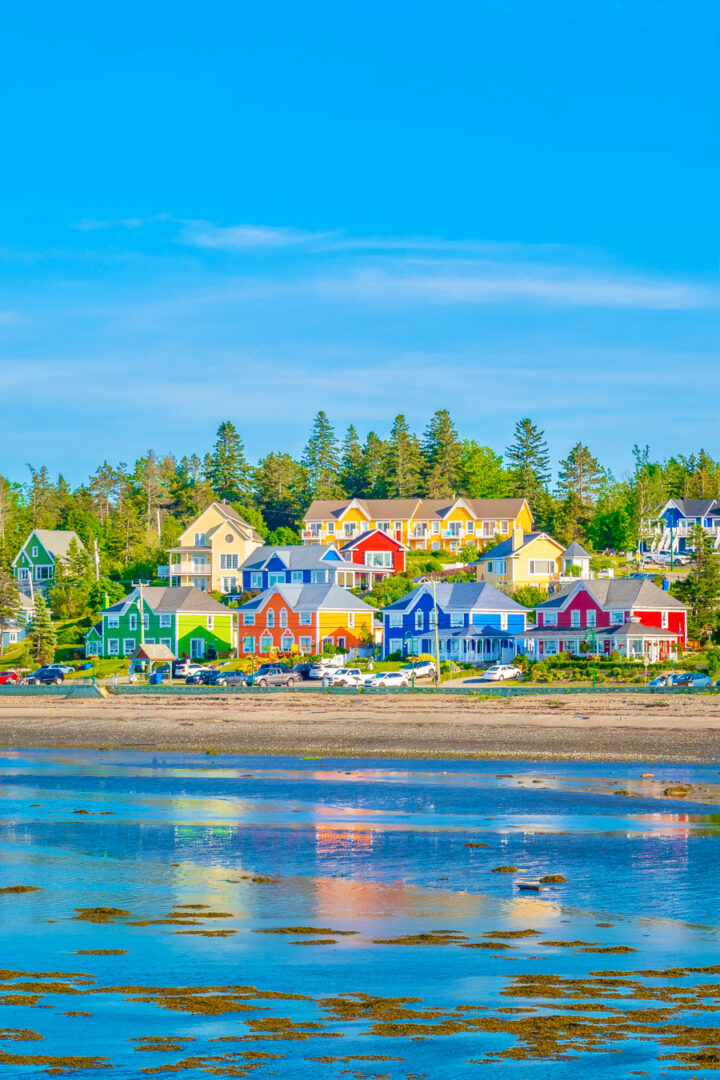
(583, 726)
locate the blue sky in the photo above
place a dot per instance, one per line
(254, 211)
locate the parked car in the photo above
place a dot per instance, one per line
(397, 679)
(200, 676)
(273, 675)
(663, 680)
(693, 680)
(227, 678)
(46, 676)
(65, 668)
(421, 669)
(501, 672)
(303, 670)
(348, 676)
(182, 668)
(10, 678)
(321, 670)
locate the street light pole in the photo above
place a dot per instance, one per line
(437, 636)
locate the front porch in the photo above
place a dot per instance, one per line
(632, 640)
(469, 645)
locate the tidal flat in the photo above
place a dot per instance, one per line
(153, 905)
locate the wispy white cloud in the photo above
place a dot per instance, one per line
(92, 224)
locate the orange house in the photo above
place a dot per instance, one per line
(302, 619)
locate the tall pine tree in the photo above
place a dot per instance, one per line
(404, 461)
(321, 459)
(10, 603)
(443, 454)
(351, 464)
(580, 481)
(227, 470)
(528, 463)
(373, 467)
(43, 639)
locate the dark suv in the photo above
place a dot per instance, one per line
(227, 678)
(47, 675)
(273, 675)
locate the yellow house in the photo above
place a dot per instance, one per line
(420, 524)
(212, 549)
(522, 559)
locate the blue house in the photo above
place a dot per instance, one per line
(678, 517)
(301, 564)
(475, 622)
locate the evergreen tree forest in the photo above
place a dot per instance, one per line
(134, 512)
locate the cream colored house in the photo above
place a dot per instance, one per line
(522, 559)
(212, 549)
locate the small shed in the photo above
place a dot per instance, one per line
(154, 654)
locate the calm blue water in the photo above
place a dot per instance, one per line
(374, 847)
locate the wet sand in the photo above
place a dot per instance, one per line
(632, 727)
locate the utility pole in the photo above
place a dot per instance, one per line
(437, 636)
(141, 608)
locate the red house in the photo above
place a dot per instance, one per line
(631, 615)
(376, 548)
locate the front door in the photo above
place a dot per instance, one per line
(197, 648)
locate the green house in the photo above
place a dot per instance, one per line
(34, 565)
(185, 619)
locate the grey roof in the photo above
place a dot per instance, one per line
(473, 632)
(293, 556)
(57, 541)
(460, 596)
(696, 507)
(168, 599)
(310, 598)
(576, 551)
(230, 512)
(618, 593)
(504, 549)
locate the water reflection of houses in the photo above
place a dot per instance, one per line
(343, 840)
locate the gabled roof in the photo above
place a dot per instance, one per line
(55, 541)
(423, 509)
(504, 550)
(460, 596)
(309, 598)
(576, 551)
(96, 629)
(170, 599)
(694, 507)
(372, 532)
(617, 593)
(293, 556)
(153, 652)
(324, 509)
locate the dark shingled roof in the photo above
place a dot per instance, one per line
(460, 596)
(618, 593)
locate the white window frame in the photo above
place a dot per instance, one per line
(129, 646)
(200, 539)
(395, 620)
(270, 619)
(283, 621)
(664, 620)
(256, 581)
(166, 642)
(305, 645)
(113, 646)
(305, 618)
(210, 622)
(550, 618)
(165, 621)
(35, 551)
(248, 618)
(457, 619)
(266, 643)
(617, 617)
(287, 641)
(132, 622)
(575, 619)
(248, 644)
(112, 622)
(591, 618)
(296, 577)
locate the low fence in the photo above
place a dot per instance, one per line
(182, 690)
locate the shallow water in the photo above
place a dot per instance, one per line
(377, 849)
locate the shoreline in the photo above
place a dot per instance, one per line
(581, 727)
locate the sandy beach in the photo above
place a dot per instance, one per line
(633, 727)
